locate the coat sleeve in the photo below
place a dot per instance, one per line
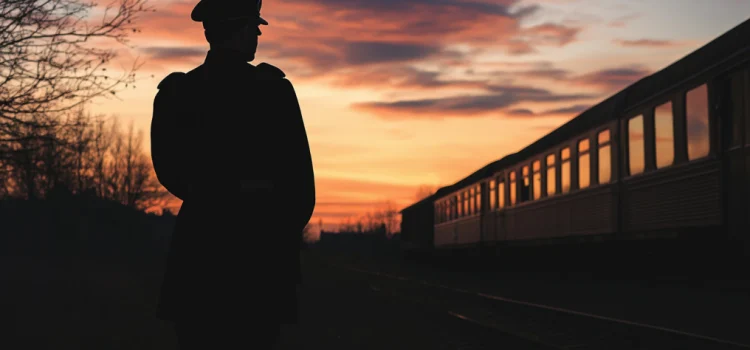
(166, 154)
(299, 184)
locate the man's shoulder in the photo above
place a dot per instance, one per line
(171, 80)
(176, 79)
(268, 71)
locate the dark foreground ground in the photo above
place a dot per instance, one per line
(64, 304)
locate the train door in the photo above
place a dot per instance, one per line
(734, 113)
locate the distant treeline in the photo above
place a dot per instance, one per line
(82, 154)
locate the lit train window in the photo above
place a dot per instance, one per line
(696, 112)
(551, 175)
(501, 194)
(513, 188)
(565, 170)
(605, 157)
(663, 122)
(478, 191)
(493, 194)
(472, 196)
(584, 164)
(537, 186)
(636, 150)
(466, 204)
(459, 206)
(525, 185)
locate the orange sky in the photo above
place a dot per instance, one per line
(402, 93)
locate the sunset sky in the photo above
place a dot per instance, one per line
(402, 93)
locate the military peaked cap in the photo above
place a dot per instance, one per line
(227, 10)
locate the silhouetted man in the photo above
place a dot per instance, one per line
(229, 140)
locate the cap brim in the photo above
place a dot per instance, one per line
(198, 11)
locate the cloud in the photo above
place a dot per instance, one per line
(501, 98)
(623, 21)
(646, 43)
(569, 111)
(324, 37)
(401, 76)
(170, 54)
(358, 53)
(613, 78)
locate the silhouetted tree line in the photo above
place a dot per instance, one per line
(81, 154)
(383, 220)
(71, 182)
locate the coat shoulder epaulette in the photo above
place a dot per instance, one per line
(171, 80)
(270, 71)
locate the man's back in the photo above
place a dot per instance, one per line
(238, 127)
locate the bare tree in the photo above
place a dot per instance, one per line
(54, 54)
(390, 217)
(53, 59)
(424, 191)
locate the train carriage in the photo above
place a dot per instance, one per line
(667, 157)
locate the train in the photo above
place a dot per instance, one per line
(665, 159)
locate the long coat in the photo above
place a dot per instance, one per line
(229, 140)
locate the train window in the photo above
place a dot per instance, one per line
(584, 164)
(537, 186)
(605, 157)
(565, 169)
(664, 135)
(696, 111)
(501, 194)
(454, 209)
(448, 211)
(472, 205)
(551, 175)
(466, 204)
(459, 206)
(636, 150)
(493, 194)
(478, 191)
(513, 188)
(525, 185)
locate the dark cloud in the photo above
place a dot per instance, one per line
(468, 105)
(520, 112)
(645, 43)
(547, 73)
(356, 53)
(401, 77)
(564, 111)
(576, 109)
(614, 78)
(405, 7)
(606, 80)
(173, 53)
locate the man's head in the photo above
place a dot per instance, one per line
(232, 24)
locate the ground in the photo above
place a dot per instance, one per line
(54, 304)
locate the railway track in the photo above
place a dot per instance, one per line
(546, 325)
